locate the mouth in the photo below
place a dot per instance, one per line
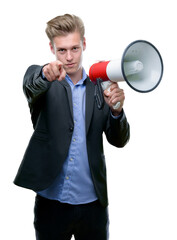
(70, 65)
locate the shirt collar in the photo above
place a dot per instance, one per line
(81, 81)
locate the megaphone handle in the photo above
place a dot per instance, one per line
(106, 86)
(117, 105)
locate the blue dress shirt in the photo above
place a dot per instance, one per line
(74, 185)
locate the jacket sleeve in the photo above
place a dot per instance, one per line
(34, 85)
(118, 130)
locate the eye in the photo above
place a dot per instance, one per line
(75, 49)
(61, 50)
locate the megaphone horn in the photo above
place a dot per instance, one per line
(141, 66)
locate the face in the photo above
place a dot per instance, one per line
(69, 50)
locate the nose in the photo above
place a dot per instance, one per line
(69, 56)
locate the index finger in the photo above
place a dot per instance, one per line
(62, 73)
(114, 85)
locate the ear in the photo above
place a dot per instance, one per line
(51, 48)
(84, 44)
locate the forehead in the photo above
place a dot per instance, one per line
(67, 41)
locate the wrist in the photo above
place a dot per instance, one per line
(116, 112)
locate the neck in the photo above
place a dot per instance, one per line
(75, 77)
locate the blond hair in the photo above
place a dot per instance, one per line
(64, 24)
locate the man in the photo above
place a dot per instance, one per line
(64, 161)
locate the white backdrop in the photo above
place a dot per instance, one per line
(142, 178)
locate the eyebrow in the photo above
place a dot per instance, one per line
(59, 48)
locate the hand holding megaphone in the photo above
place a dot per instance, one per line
(114, 97)
(107, 85)
(141, 67)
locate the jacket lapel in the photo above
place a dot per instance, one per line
(89, 102)
(69, 94)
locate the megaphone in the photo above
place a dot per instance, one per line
(141, 66)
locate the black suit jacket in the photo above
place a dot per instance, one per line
(52, 117)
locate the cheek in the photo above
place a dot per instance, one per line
(79, 57)
(59, 57)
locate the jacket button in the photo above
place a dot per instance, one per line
(71, 129)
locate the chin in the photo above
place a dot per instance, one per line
(72, 70)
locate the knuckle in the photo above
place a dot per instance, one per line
(45, 70)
